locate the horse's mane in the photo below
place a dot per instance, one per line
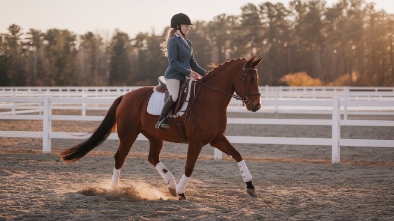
(216, 67)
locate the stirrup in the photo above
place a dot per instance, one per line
(162, 124)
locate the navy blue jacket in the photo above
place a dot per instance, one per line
(180, 59)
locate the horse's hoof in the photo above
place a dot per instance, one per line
(182, 196)
(251, 192)
(172, 191)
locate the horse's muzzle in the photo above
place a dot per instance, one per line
(256, 107)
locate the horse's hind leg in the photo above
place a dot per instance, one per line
(225, 146)
(120, 156)
(155, 146)
(127, 138)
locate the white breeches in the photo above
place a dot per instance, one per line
(173, 88)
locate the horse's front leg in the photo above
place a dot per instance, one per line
(192, 155)
(225, 146)
(155, 146)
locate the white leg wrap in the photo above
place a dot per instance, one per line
(170, 181)
(166, 175)
(182, 184)
(115, 178)
(246, 176)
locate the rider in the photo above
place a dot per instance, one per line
(178, 49)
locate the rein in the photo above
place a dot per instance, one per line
(244, 98)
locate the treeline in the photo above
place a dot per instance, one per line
(349, 43)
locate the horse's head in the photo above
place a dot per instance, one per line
(247, 87)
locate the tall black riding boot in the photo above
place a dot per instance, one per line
(162, 123)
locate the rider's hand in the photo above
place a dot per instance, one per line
(195, 75)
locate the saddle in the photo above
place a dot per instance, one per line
(182, 95)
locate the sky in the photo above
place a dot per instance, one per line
(129, 16)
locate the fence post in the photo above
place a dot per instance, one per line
(346, 102)
(267, 92)
(46, 137)
(83, 105)
(276, 100)
(336, 131)
(217, 154)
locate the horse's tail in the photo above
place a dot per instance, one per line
(99, 135)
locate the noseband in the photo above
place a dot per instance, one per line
(246, 92)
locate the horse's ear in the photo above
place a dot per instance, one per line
(250, 62)
(257, 62)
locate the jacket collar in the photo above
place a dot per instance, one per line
(182, 41)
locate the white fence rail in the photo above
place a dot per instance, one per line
(274, 99)
(268, 92)
(46, 104)
(64, 91)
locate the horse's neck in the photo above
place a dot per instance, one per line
(220, 86)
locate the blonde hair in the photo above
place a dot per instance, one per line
(163, 46)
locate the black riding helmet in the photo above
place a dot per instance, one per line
(180, 19)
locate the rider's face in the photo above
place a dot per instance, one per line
(185, 29)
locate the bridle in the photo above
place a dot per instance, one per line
(246, 92)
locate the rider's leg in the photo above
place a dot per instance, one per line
(162, 123)
(173, 89)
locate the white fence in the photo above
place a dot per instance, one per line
(268, 92)
(275, 99)
(64, 91)
(46, 104)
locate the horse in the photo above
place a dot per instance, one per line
(204, 122)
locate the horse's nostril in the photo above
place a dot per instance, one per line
(257, 106)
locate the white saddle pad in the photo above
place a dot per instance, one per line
(156, 102)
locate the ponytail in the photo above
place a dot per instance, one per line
(163, 46)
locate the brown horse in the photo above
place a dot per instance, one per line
(203, 123)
